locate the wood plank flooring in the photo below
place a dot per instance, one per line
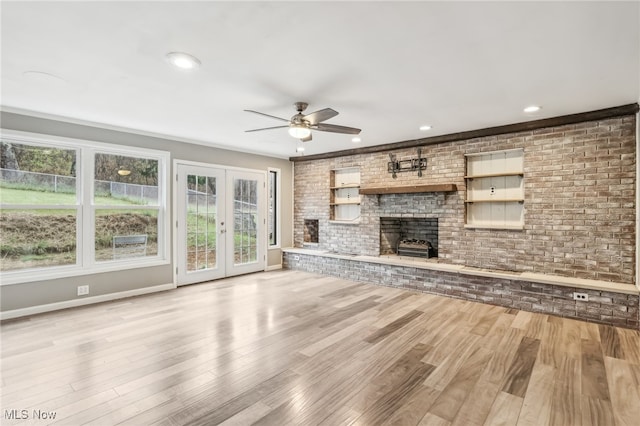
(288, 347)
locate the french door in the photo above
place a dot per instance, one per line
(220, 222)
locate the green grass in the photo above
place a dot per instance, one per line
(26, 196)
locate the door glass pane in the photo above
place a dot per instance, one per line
(245, 217)
(201, 222)
(273, 214)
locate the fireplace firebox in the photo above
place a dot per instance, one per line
(415, 237)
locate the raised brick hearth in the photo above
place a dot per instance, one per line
(603, 307)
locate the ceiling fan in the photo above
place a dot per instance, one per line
(300, 125)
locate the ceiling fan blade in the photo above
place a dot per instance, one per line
(266, 128)
(320, 115)
(336, 129)
(266, 115)
(307, 139)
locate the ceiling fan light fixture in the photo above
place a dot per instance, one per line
(300, 125)
(299, 131)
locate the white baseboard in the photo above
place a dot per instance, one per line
(32, 310)
(273, 267)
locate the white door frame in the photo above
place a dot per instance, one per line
(183, 274)
(174, 234)
(261, 223)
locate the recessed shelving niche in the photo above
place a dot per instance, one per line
(495, 190)
(344, 202)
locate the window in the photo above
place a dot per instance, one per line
(71, 207)
(125, 200)
(39, 216)
(274, 207)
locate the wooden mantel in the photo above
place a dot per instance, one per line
(441, 187)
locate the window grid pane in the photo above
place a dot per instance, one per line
(115, 229)
(37, 238)
(37, 175)
(245, 221)
(201, 223)
(273, 213)
(124, 180)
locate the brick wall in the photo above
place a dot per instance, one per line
(579, 210)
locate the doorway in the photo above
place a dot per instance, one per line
(220, 222)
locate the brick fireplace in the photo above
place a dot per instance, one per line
(578, 232)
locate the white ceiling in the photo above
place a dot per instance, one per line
(387, 67)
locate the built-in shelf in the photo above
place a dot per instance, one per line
(344, 187)
(494, 175)
(495, 189)
(409, 189)
(493, 200)
(345, 203)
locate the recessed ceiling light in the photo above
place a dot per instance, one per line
(300, 149)
(425, 127)
(532, 108)
(183, 60)
(356, 140)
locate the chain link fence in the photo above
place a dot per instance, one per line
(67, 184)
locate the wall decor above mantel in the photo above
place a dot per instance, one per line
(395, 166)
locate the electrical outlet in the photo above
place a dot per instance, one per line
(584, 297)
(83, 290)
(296, 257)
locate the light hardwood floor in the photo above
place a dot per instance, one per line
(290, 347)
